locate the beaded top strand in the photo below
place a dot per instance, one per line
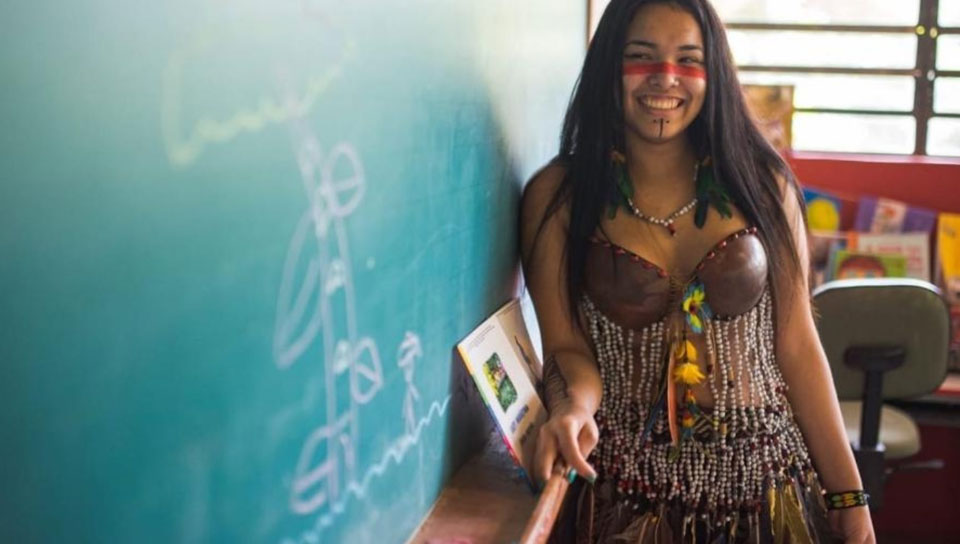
(746, 442)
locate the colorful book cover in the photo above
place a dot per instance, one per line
(846, 264)
(884, 215)
(920, 220)
(913, 246)
(824, 210)
(500, 358)
(948, 254)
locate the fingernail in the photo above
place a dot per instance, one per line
(592, 479)
(572, 475)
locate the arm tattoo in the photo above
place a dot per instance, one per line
(554, 384)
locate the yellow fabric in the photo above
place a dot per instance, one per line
(776, 515)
(793, 514)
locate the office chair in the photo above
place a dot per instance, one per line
(885, 338)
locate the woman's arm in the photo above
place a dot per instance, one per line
(571, 379)
(812, 396)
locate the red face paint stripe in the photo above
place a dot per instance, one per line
(644, 68)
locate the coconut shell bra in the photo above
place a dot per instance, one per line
(634, 292)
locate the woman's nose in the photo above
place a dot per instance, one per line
(663, 79)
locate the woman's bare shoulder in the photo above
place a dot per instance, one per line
(542, 188)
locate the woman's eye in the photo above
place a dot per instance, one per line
(638, 56)
(691, 60)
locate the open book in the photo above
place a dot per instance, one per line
(499, 356)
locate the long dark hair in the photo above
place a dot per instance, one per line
(742, 160)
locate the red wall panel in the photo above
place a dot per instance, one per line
(922, 181)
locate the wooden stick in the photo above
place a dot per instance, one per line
(548, 507)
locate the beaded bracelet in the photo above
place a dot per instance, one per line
(846, 499)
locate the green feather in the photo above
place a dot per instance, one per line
(624, 190)
(700, 216)
(723, 206)
(710, 193)
(623, 181)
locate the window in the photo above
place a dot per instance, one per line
(886, 71)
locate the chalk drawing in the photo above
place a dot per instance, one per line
(317, 302)
(358, 489)
(349, 358)
(185, 140)
(407, 354)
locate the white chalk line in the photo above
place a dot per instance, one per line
(395, 453)
(182, 151)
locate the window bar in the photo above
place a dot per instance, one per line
(926, 73)
(848, 111)
(831, 70)
(875, 29)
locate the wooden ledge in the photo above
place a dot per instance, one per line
(486, 501)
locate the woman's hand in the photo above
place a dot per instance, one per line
(853, 524)
(568, 436)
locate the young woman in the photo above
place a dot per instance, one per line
(665, 253)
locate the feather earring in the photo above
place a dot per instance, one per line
(710, 193)
(621, 181)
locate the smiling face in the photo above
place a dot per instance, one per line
(664, 78)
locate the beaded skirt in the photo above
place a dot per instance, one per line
(742, 473)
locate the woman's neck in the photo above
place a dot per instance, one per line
(656, 168)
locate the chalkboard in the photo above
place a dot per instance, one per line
(239, 242)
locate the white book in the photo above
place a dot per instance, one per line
(499, 356)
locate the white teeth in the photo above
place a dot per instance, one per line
(661, 103)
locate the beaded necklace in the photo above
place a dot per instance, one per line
(708, 193)
(666, 222)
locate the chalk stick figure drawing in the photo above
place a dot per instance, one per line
(407, 354)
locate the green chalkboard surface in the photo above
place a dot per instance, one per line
(238, 242)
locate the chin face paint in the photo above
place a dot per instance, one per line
(663, 68)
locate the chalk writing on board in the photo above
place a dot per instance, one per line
(317, 301)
